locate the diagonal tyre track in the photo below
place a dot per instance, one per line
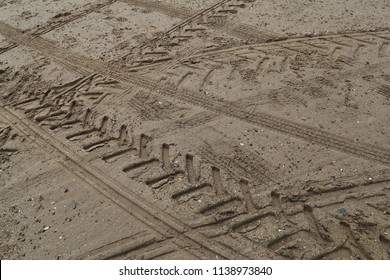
(222, 23)
(164, 224)
(319, 196)
(56, 23)
(223, 195)
(87, 66)
(192, 24)
(88, 125)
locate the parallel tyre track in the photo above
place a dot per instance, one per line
(300, 42)
(192, 23)
(87, 66)
(161, 7)
(154, 218)
(172, 229)
(224, 215)
(55, 24)
(219, 200)
(228, 26)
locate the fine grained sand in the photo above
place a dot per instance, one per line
(194, 129)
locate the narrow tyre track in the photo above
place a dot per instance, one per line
(87, 66)
(56, 23)
(174, 39)
(222, 23)
(148, 214)
(300, 42)
(161, 7)
(158, 159)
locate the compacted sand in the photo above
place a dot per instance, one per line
(239, 129)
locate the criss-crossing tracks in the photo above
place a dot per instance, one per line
(204, 195)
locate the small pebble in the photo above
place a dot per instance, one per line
(342, 210)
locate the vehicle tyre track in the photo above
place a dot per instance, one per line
(317, 136)
(142, 210)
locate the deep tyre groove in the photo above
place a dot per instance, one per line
(148, 214)
(300, 131)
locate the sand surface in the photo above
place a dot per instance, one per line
(194, 129)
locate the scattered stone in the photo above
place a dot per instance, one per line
(74, 204)
(14, 209)
(342, 211)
